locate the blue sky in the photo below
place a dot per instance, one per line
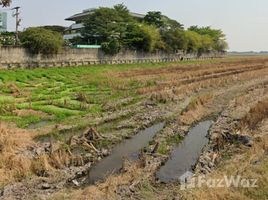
(245, 22)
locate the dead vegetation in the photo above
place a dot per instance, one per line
(256, 114)
(110, 190)
(249, 163)
(15, 164)
(195, 110)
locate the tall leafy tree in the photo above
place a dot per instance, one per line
(154, 18)
(101, 25)
(143, 37)
(206, 44)
(123, 12)
(174, 39)
(107, 27)
(114, 29)
(172, 33)
(193, 41)
(171, 24)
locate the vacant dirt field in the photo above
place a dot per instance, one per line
(55, 124)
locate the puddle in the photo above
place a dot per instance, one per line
(38, 124)
(185, 155)
(127, 149)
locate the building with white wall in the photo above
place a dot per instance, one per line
(3, 21)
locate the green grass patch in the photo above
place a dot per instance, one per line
(56, 90)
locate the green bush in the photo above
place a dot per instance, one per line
(7, 38)
(40, 40)
(151, 38)
(111, 47)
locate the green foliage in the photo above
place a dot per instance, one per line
(171, 24)
(206, 44)
(111, 47)
(40, 40)
(216, 36)
(134, 37)
(123, 12)
(174, 39)
(152, 38)
(221, 45)
(101, 25)
(7, 38)
(55, 28)
(115, 29)
(163, 148)
(143, 37)
(193, 41)
(154, 18)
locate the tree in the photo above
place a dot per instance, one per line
(217, 36)
(221, 46)
(111, 47)
(143, 37)
(206, 44)
(123, 12)
(193, 41)
(171, 24)
(55, 28)
(40, 40)
(172, 33)
(115, 29)
(5, 3)
(101, 25)
(174, 39)
(151, 38)
(154, 18)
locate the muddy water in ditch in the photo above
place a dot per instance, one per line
(185, 155)
(128, 149)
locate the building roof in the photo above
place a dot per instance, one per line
(85, 13)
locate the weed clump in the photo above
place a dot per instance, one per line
(256, 115)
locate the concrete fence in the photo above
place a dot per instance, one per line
(16, 57)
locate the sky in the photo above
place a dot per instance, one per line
(245, 22)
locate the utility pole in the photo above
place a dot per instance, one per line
(18, 20)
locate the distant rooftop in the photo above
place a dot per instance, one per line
(82, 15)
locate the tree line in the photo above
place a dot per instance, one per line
(115, 29)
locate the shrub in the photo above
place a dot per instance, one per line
(7, 38)
(40, 40)
(111, 47)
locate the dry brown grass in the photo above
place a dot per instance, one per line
(186, 82)
(29, 112)
(195, 110)
(250, 163)
(107, 190)
(244, 166)
(14, 165)
(17, 159)
(256, 115)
